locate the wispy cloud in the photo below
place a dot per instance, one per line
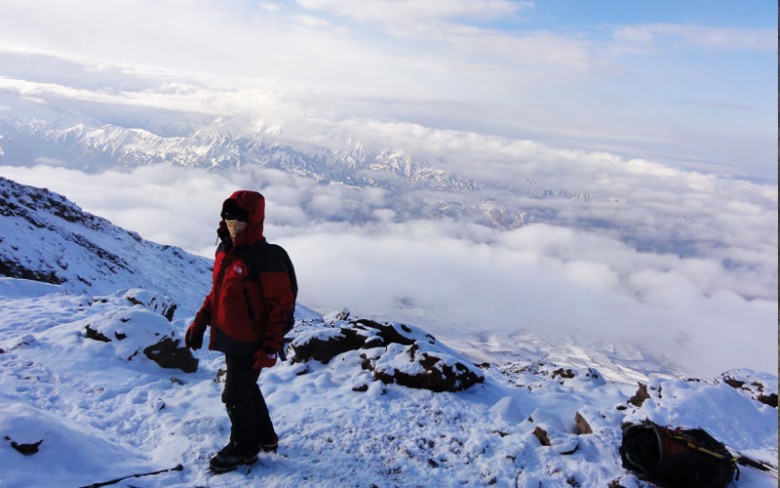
(418, 11)
(697, 36)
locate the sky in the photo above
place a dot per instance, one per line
(690, 83)
(666, 111)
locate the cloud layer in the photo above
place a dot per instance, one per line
(459, 278)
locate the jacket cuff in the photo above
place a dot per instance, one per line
(201, 320)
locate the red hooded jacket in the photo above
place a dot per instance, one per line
(251, 298)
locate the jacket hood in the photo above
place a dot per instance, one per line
(253, 203)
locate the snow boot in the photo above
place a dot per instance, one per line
(232, 456)
(270, 445)
(242, 448)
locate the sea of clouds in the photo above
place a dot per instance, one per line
(459, 278)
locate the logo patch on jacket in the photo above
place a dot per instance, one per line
(238, 269)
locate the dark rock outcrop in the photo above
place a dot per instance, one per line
(392, 352)
(752, 384)
(26, 449)
(168, 354)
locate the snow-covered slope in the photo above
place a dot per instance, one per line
(357, 403)
(47, 238)
(103, 411)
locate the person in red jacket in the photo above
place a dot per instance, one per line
(250, 302)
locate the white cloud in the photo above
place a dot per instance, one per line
(326, 204)
(269, 6)
(416, 11)
(311, 21)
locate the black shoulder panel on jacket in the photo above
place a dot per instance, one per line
(266, 258)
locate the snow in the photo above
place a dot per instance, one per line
(47, 237)
(103, 410)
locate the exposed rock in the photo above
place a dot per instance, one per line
(161, 304)
(541, 434)
(13, 269)
(392, 352)
(168, 354)
(640, 396)
(583, 427)
(563, 373)
(540, 372)
(328, 345)
(221, 374)
(758, 386)
(569, 449)
(131, 323)
(26, 449)
(402, 365)
(95, 335)
(551, 431)
(351, 336)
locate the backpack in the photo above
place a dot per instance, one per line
(290, 268)
(255, 255)
(676, 458)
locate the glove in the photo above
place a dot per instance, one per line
(264, 358)
(193, 338)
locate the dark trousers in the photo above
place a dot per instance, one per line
(250, 421)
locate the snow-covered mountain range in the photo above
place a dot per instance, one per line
(95, 137)
(358, 402)
(115, 137)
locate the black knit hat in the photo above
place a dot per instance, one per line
(231, 209)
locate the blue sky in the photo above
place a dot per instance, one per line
(682, 82)
(749, 13)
